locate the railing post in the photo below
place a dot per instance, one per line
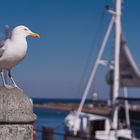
(16, 115)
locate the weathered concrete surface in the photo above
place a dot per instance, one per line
(16, 132)
(15, 106)
(16, 115)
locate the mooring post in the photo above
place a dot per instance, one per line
(16, 115)
(47, 133)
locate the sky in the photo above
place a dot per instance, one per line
(57, 65)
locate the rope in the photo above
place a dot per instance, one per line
(92, 50)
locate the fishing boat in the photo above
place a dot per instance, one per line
(123, 73)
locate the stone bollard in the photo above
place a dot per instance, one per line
(16, 115)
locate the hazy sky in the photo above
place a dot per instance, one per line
(56, 64)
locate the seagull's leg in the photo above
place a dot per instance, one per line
(10, 76)
(4, 82)
(14, 83)
(3, 79)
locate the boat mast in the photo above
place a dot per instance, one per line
(116, 62)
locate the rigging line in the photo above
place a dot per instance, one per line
(92, 75)
(96, 41)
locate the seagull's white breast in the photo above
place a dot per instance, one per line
(14, 52)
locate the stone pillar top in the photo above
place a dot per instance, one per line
(15, 107)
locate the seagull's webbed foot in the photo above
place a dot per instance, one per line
(15, 86)
(8, 86)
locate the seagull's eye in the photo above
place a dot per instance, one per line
(25, 29)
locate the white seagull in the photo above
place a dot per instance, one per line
(13, 50)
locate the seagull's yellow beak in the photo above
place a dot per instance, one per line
(35, 35)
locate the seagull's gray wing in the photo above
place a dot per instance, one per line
(2, 47)
(7, 32)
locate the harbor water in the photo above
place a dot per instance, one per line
(55, 119)
(51, 118)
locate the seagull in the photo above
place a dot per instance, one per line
(13, 50)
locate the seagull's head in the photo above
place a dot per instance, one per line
(23, 31)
